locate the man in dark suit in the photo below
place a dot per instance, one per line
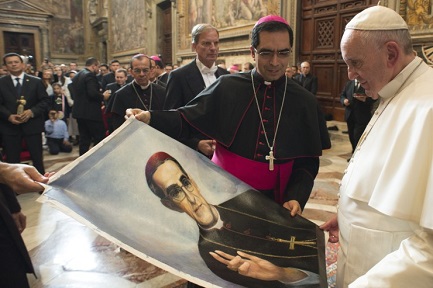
(110, 91)
(23, 106)
(307, 80)
(15, 262)
(358, 110)
(88, 100)
(276, 248)
(187, 81)
(111, 76)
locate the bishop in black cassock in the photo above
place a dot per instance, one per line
(269, 131)
(227, 112)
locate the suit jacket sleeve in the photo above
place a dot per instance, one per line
(92, 86)
(314, 85)
(42, 106)
(10, 198)
(347, 93)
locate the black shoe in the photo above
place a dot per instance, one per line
(333, 128)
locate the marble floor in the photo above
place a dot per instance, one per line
(66, 253)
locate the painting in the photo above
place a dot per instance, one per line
(128, 26)
(173, 207)
(68, 32)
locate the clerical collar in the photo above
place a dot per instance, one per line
(218, 225)
(396, 85)
(143, 87)
(259, 78)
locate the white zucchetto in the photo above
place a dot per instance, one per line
(377, 18)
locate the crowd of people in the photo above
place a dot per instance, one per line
(250, 125)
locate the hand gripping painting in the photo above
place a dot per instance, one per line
(174, 208)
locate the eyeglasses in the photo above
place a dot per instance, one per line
(176, 193)
(267, 54)
(138, 70)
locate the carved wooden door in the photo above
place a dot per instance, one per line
(322, 24)
(21, 43)
(166, 32)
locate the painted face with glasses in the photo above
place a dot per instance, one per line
(183, 192)
(272, 54)
(140, 70)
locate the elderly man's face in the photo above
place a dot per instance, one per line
(183, 192)
(368, 67)
(207, 47)
(305, 68)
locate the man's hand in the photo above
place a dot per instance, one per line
(66, 142)
(346, 102)
(15, 119)
(257, 268)
(22, 178)
(20, 220)
(207, 147)
(26, 115)
(140, 115)
(106, 94)
(293, 206)
(332, 227)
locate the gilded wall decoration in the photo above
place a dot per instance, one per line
(419, 13)
(128, 25)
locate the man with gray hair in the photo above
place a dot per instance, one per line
(189, 80)
(385, 221)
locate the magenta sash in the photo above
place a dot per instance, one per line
(254, 173)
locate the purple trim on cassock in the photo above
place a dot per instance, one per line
(247, 170)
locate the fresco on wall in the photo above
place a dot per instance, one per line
(67, 27)
(59, 8)
(229, 13)
(128, 25)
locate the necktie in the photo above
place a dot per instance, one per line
(18, 86)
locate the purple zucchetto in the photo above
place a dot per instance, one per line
(271, 18)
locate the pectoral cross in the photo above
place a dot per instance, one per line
(292, 242)
(271, 159)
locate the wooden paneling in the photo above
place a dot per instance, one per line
(322, 24)
(167, 38)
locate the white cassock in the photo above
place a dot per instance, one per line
(386, 197)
